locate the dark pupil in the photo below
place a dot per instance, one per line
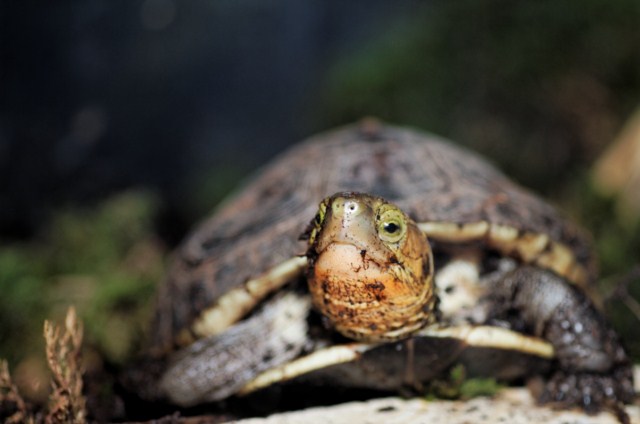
(318, 219)
(391, 227)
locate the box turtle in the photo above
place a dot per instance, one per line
(419, 255)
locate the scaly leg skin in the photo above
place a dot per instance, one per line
(216, 367)
(594, 371)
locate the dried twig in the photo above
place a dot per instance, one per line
(10, 398)
(66, 403)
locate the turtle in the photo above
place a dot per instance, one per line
(377, 256)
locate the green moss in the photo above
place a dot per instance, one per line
(457, 386)
(475, 387)
(105, 261)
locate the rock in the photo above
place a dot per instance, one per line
(512, 405)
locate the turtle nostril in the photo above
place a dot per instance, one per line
(351, 208)
(345, 208)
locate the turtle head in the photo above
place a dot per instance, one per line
(371, 272)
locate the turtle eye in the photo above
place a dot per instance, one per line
(391, 226)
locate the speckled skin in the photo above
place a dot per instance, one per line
(594, 369)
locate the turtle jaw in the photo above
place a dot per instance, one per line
(365, 300)
(370, 289)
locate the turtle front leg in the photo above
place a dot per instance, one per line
(218, 366)
(594, 370)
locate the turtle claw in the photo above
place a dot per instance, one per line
(591, 391)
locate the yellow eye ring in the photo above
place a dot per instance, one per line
(391, 226)
(317, 222)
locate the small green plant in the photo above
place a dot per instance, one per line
(457, 386)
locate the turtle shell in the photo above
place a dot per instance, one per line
(259, 227)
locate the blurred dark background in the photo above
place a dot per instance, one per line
(124, 122)
(99, 96)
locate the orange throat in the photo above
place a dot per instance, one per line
(366, 300)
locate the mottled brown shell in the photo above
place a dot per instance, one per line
(429, 178)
